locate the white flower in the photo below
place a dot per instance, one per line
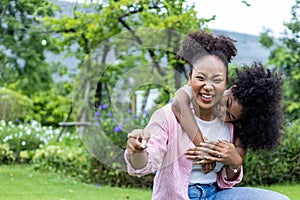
(23, 143)
(6, 139)
(3, 123)
(28, 131)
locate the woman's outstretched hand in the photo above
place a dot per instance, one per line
(136, 145)
(137, 141)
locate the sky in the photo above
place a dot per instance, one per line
(233, 15)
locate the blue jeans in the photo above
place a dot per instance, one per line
(211, 192)
(202, 191)
(248, 193)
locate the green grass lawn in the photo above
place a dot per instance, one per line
(23, 183)
(292, 191)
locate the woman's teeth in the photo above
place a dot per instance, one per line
(206, 96)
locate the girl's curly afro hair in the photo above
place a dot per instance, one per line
(259, 90)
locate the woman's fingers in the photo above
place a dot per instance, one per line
(136, 141)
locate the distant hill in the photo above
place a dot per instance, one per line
(248, 46)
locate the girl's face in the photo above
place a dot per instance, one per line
(208, 81)
(233, 108)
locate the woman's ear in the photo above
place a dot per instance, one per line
(189, 77)
(189, 81)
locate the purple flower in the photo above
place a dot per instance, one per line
(16, 120)
(98, 185)
(145, 112)
(134, 117)
(109, 114)
(129, 111)
(127, 120)
(104, 106)
(118, 128)
(97, 113)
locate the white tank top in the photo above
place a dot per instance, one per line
(212, 130)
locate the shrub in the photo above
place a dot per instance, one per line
(23, 138)
(67, 160)
(105, 175)
(281, 165)
(6, 155)
(50, 107)
(14, 105)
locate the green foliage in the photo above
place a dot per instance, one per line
(71, 161)
(6, 155)
(36, 144)
(51, 106)
(95, 23)
(105, 175)
(281, 165)
(22, 138)
(22, 59)
(14, 106)
(113, 126)
(285, 55)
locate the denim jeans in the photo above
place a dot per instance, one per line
(202, 191)
(211, 192)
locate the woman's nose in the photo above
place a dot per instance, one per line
(208, 85)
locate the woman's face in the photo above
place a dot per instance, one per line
(208, 81)
(232, 106)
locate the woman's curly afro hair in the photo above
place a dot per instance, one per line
(199, 44)
(259, 90)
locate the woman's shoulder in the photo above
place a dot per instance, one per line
(164, 113)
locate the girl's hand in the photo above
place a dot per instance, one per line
(221, 151)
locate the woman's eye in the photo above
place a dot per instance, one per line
(218, 81)
(200, 78)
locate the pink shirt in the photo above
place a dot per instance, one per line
(166, 149)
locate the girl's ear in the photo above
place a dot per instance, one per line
(232, 87)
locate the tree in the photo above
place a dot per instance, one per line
(285, 56)
(23, 45)
(96, 23)
(131, 32)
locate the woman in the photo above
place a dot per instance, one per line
(165, 152)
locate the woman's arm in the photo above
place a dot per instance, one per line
(181, 109)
